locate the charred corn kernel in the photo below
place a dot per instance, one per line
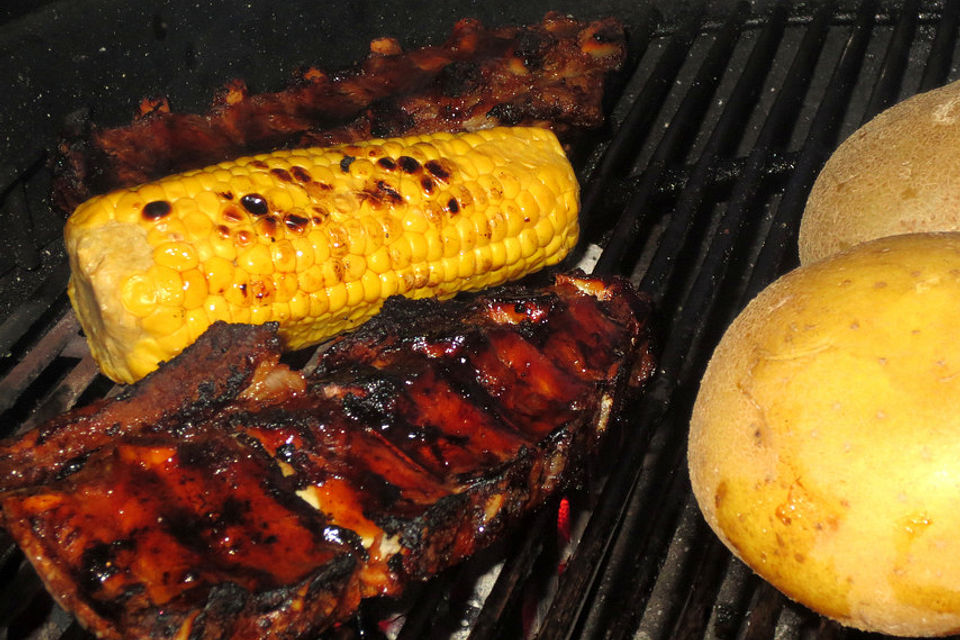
(314, 238)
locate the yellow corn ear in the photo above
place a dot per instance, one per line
(314, 239)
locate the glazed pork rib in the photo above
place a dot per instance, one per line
(551, 73)
(257, 502)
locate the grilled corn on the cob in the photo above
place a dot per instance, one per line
(314, 239)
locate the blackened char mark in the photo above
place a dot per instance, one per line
(459, 77)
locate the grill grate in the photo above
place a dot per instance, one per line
(723, 120)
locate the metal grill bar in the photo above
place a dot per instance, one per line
(817, 147)
(674, 144)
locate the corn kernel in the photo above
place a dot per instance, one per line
(392, 148)
(321, 249)
(337, 297)
(169, 285)
(434, 245)
(354, 266)
(509, 185)
(333, 272)
(545, 232)
(356, 236)
(401, 252)
(139, 295)
(319, 303)
(283, 256)
(513, 250)
(152, 191)
(197, 225)
(450, 237)
(304, 253)
(144, 359)
(194, 288)
(240, 183)
(299, 305)
(379, 261)
(219, 274)
(355, 294)
(498, 254)
(514, 218)
(280, 199)
(237, 293)
(179, 256)
(388, 284)
(467, 265)
(311, 279)
(339, 242)
(256, 259)
(261, 291)
(260, 314)
(180, 335)
(279, 312)
(87, 215)
(285, 286)
(370, 285)
(223, 244)
(240, 314)
(414, 221)
(528, 205)
(528, 243)
(417, 245)
(163, 321)
(467, 229)
(197, 323)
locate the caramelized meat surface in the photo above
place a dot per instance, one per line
(265, 503)
(549, 74)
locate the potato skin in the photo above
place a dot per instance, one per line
(899, 173)
(824, 445)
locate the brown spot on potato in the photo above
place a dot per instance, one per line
(719, 495)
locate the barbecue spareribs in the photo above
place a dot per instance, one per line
(549, 73)
(227, 496)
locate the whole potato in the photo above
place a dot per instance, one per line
(899, 173)
(824, 446)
